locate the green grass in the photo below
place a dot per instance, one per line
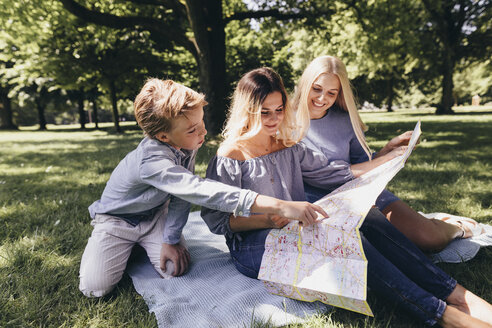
(47, 180)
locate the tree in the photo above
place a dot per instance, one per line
(84, 60)
(6, 114)
(197, 27)
(463, 31)
(473, 79)
(22, 31)
(423, 41)
(384, 40)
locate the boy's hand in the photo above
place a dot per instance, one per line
(178, 254)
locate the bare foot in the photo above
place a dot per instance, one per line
(469, 227)
(454, 318)
(469, 303)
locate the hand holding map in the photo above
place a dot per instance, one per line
(325, 262)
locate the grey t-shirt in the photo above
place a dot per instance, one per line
(334, 136)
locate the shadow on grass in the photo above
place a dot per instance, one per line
(73, 153)
(50, 208)
(456, 113)
(108, 129)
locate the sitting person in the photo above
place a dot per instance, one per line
(259, 152)
(327, 114)
(147, 198)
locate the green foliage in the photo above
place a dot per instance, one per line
(50, 48)
(48, 179)
(394, 50)
(474, 79)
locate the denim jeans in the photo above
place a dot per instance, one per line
(384, 199)
(397, 270)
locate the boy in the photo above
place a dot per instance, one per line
(147, 198)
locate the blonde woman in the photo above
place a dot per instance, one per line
(330, 124)
(259, 153)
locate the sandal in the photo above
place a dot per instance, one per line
(463, 222)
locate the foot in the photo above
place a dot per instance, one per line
(469, 303)
(469, 227)
(454, 318)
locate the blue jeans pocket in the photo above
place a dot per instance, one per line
(247, 250)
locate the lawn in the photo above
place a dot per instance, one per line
(48, 179)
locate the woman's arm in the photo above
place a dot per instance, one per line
(398, 141)
(395, 147)
(254, 222)
(361, 168)
(305, 212)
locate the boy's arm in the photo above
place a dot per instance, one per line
(164, 174)
(178, 181)
(178, 255)
(177, 216)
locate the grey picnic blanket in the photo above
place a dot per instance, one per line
(213, 293)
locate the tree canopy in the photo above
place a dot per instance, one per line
(60, 53)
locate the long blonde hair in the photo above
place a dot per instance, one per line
(345, 98)
(244, 117)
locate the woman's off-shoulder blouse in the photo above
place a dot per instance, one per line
(279, 174)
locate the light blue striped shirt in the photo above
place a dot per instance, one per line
(155, 172)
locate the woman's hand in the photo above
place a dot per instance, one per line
(398, 151)
(364, 167)
(401, 140)
(304, 212)
(277, 221)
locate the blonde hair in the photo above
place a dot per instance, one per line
(345, 99)
(244, 118)
(160, 102)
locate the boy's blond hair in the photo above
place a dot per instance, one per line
(161, 101)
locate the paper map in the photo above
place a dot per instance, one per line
(325, 262)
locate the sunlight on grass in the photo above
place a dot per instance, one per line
(30, 249)
(49, 178)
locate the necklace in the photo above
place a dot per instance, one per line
(256, 150)
(259, 149)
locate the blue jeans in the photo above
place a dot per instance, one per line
(383, 200)
(397, 270)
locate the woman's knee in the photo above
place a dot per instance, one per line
(430, 240)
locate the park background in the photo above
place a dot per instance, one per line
(69, 71)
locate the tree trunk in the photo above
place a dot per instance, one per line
(80, 101)
(94, 112)
(208, 28)
(114, 104)
(6, 117)
(40, 108)
(445, 107)
(391, 94)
